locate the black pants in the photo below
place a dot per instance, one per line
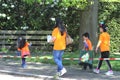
(85, 65)
(104, 55)
(24, 60)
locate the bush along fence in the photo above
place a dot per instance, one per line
(8, 39)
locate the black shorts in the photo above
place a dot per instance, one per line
(105, 54)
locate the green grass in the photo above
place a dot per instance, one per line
(115, 64)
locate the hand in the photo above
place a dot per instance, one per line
(84, 41)
(53, 39)
(30, 44)
(96, 49)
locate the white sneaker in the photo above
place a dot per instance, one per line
(63, 71)
(109, 73)
(96, 71)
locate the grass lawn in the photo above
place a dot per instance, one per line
(42, 58)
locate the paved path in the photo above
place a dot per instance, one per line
(14, 77)
(46, 72)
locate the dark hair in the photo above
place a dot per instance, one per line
(60, 25)
(57, 20)
(86, 35)
(18, 41)
(103, 26)
(22, 43)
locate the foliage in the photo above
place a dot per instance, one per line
(4, 50)
(36, 14)
(109, 0)
(39, 14)
(63, 3)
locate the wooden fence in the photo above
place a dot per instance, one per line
(8, 39)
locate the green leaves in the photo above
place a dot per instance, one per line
(79, 4)
(110, 0)
(30, 1)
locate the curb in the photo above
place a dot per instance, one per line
(44, 77)
(26, 74)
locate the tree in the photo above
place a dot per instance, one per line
(89, 21)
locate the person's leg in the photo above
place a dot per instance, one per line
(57, 59)
(110, 72)
(85, 66)
(61, 54)
(60, 58)
(23, 62)
(100, 61)
(107, 61)
(63, 70)
(99, 64)
(90, 66)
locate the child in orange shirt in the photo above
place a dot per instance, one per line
(24, 48)
(87, 47)
(87, 42)
(104, 44)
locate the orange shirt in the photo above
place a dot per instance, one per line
(89, 44)
(105, 41)
(60, 40)
(25, 48)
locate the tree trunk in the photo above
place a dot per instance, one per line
(89, 20)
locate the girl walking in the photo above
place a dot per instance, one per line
(104, 44)
(24, 48)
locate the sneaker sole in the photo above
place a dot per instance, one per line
(63, 73)
(108, 74)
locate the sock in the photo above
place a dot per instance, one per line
(97, 69)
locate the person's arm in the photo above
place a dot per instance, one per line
(99, 42)
(28, 44)
(98, 45)
(85, 45)
(18, 49)
(53, 35)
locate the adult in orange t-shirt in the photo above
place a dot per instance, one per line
(59, 40)
(104, 44)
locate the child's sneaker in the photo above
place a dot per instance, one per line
(63, 71)
(96, 71)
(109, 73)
(23, 65)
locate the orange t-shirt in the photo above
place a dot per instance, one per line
(89, 44)
(105, 41)
(60, 40)
(25, 50)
